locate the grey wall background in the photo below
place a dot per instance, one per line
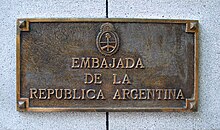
(206, 11)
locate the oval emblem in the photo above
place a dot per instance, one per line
(107, 40)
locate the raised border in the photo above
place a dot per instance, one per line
(23, 103)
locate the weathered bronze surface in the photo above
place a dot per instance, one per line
(107, 65)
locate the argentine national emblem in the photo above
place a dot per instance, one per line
(107, 40)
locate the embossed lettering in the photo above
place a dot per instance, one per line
(75, 94)
(142, 94)
(134, 94)
(49, 93)
(113, 63)
(120, 64)
(172, 93)
(139, 63)
(100, 95)
(129, 63)
(90, 92)
(180, 95)
(159, 93)
(126, 93)
(89, 78)
(33, 92)
(117, 95)
(126, 80)
(85, 62)
(42, 94)
(61, 93)
(68, 94)
(75, 63)
(115, 82)
(103, 63)
(95, 63)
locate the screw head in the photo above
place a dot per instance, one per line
(22, 24)
(193, 25)
(21, 104)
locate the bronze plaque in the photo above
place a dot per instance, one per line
(107, 65)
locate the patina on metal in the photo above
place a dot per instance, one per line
(107, 65)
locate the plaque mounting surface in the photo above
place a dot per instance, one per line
(107, 65)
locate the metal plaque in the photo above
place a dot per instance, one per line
(107, 65)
